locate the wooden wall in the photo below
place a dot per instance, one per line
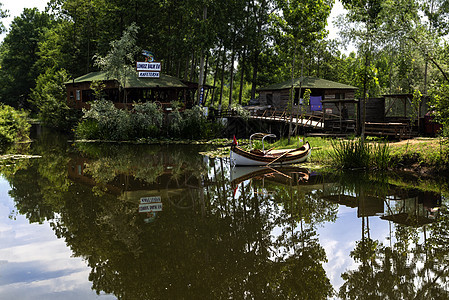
(281, 97)
(375, 109)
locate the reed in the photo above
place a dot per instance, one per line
(358, 154)
(380, 156)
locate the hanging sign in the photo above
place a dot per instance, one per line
(149, 74)
(146, 200)
(143, 208)
(148, 66)
(201, 95)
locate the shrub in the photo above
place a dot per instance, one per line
(357, 153)
(88, 129)
(194, 124)
(104, 121)
(49, 96)
(14, 126)
(146, 119)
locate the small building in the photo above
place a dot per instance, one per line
(277, 96)
(164, 90)
(332, 102)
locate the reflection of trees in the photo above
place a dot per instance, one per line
(141, 162)
(412, 268)
(37, 186)
(226, 244)
(218, 247)
(209, 242)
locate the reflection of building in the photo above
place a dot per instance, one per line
(417, 208)
(409, 207)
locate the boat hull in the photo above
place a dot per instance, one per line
(240, 157)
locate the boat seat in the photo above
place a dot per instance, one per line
(257, 152)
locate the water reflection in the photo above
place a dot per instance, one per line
(247, 233)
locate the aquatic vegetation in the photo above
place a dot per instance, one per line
(355, 154)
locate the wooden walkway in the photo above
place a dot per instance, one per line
(311, 120)
(331, 125)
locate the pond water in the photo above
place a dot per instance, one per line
(88, 221)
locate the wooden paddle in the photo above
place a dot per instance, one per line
(285, 153)
(279, 172)
(269, 150)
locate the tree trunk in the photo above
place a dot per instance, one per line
(255, 70)
(292, 94)
(200, 92)
(215, 79)
(231, 78)
(192, 66)
(242, 76)
(222, 79)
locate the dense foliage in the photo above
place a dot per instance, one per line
(146, 120)
(14, 126)
(238, 46)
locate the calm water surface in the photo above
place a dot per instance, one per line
(113, 221)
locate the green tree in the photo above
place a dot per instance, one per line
(301, 22)
(50, 98)
(19, 56)
(118, 63)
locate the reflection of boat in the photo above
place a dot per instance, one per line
(240, 174)
(257, 157)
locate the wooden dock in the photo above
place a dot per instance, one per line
(322, 124)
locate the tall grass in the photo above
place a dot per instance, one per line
(358, 154)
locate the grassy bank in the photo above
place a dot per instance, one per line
(424, 155)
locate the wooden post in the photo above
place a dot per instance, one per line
(339, 108)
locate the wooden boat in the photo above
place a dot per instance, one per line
(241, 157)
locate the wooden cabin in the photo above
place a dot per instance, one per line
(277, 95)
(332, 100)
(163, 90)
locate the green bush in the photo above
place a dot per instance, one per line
(192, 124)
(49, 97)
(354, 154)
(106, 122)
(146, 120)
(14, 126)
(88, 129)
(195, 125)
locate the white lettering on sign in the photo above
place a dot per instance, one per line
(148, 66)
(143, 208)
(150, 199)
(149, 74)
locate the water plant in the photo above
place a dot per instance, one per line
(358, 154)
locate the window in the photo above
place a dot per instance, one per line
(296, 98)
(269, 99)
(78, 95)
(339, 95)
